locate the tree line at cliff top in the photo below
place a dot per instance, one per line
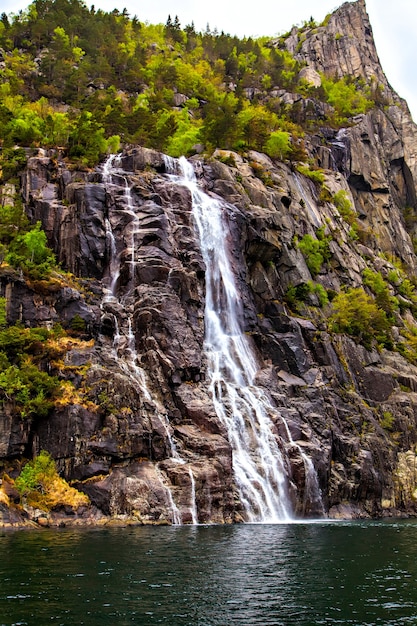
(86, 80)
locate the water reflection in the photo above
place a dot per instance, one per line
(298, 574)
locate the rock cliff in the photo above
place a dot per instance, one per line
(144, 438)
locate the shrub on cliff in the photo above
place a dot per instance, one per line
(315, 251)
(346, 97)
(42, 487)
(356, 313)
(25, 247)
(28, 389)
(383, 297)
(344, 206)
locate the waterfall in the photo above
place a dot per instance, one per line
(193, 507)
(128, 361)
(124, 344)
(258, 464)
(260, 469)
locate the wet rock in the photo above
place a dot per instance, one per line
(140, 434)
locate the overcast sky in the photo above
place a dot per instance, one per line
(394, 24)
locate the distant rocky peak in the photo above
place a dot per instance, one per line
(342, 46)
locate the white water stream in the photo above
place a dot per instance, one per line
(129, 362)
(260, 469)
(124, 339)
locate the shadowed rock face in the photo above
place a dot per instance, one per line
(146, 439)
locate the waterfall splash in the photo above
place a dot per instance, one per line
(260, 468)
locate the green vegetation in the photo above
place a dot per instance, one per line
(24, 384)
(316, 251)
(32, 369)
(344, 206)
(278, 145)
(3, 317)
(379, 287)
(347, 97)
(300, 294)
(356, 313)
(42, 487)
(387, 420)
(29, 252)
(85, 80)
(316, 175)
(22, 246)
(36, 474)
(408, 345)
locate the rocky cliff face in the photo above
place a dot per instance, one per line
(147, 439)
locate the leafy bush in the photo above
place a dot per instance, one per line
(387, 420)
(377, 284)
(356, 313)
(408, 345)
(407, 289)
(344, 206)
(12, 220)
(42, 487)
(320, 292)
(317, 176)
(346, 97)
(36, 474)
(296, 295)
(315, 251)
(25, 247)
(12, 161)
(31, 391)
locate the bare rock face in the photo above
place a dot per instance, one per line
(343, 47)
(147, 442)
(310, 76)
(142, 433)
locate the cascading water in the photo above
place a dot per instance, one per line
(260, 468)
(129, 363)
(124, 340)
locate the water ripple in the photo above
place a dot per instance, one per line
(356, 574)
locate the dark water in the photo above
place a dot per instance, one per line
(301, 574)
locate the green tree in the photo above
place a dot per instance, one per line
(315, 251)
(36, 244)
(220, 127)
(383, 297)
(356, 313)
(29, 252)
(278, 145)
(36, 474)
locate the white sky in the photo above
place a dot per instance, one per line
(394, 24)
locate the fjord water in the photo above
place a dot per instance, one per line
(359, 574)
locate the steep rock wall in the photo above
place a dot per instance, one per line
(332, 392)
(146, 440)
